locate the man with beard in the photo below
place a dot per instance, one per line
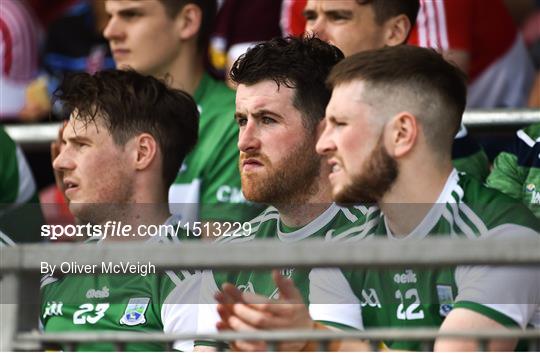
(125, 140)
(280, 103)
(389, 128)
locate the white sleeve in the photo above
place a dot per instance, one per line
(180, 309)
(331, 299)
(208, 315)
(512, 291)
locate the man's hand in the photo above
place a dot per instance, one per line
(250, 312)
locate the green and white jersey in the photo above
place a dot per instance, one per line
(410, 297)
(20, 213)
(516, 172)
(268, 226)
(468, 156)
(165, 302)
(208, 184)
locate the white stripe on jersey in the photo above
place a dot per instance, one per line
(27, 185)
(5, 240)
(463, 227)
(522, 135)
(356, 233)
(347, 213)
(473, 218)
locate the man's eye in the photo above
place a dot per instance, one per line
(267, 120)
(130, 14)
(241, 121)
(79, 144)
(336, 17)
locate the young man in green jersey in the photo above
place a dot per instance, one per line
(389, 130)
(168, 38)
(125, 140)
(358, 25)
(280, 101)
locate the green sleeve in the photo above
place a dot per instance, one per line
(506, 176)
(489, 312)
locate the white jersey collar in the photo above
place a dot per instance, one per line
(311, 228)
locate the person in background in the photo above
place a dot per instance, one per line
(168, 39)
(485, 43)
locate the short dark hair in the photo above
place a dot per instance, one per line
(209, 12)
(129, 104)
(299, 63)
(386, 9)
(410, 78)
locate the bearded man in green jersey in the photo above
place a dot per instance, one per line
(389, 129)
(125, 140)
(280, 103)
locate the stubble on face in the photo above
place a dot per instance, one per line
(291, 180)
(376, 177)
(107, 186)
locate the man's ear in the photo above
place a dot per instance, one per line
(401, 134)
(188, 21)
(396, 30)
(146, 151)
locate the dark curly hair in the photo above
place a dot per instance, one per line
(129, 104)
(299, 63)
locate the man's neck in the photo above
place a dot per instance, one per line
(299, 211)
(185, 73)
(412, 196)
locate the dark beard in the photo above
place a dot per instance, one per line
(292, 180)
(378, 174)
